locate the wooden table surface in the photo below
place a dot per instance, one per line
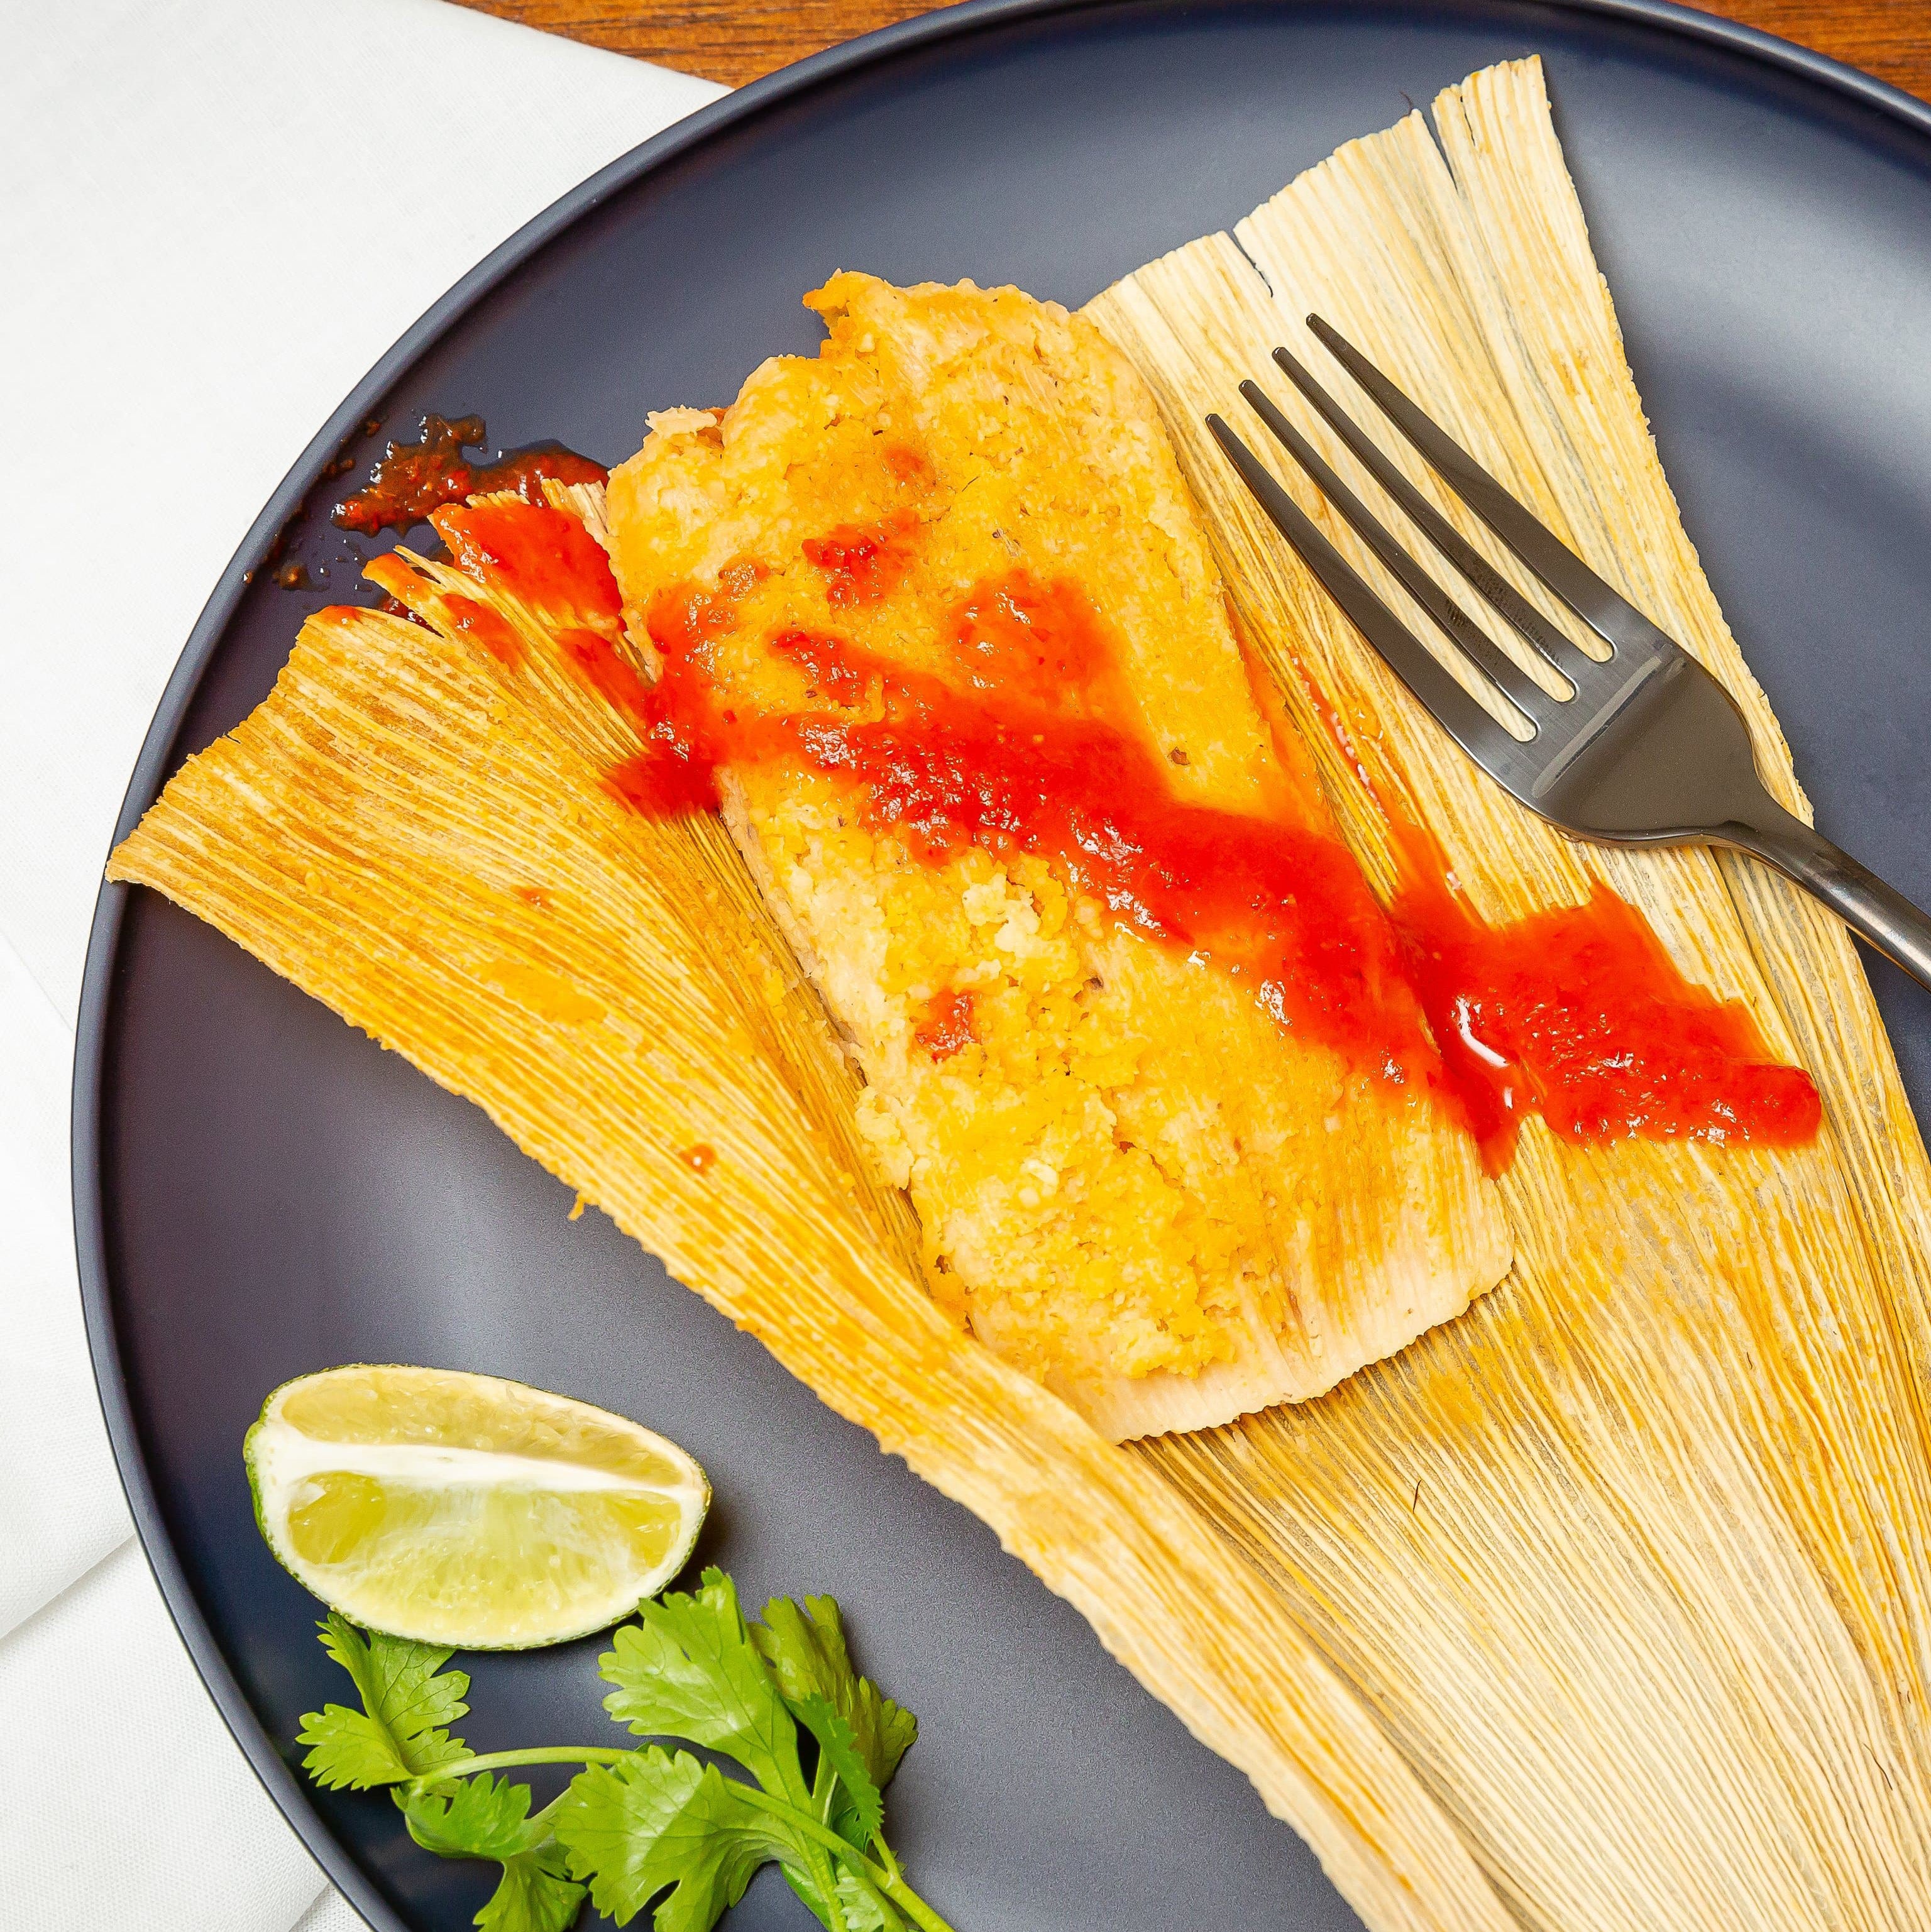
(736, 41)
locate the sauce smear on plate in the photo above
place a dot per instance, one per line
(414, 479)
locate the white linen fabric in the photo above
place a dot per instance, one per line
(177, 317)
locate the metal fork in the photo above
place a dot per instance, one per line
(1648, 749)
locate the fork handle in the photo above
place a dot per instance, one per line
(1872, 909)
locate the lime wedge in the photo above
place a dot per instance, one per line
(466, 1510)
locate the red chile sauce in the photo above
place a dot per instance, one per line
(1024, 744)
(861, 564)
(414, 479)
(946, 1027)
(1579, 1015)
(544, 556)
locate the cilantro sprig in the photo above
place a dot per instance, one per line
(643, 1826)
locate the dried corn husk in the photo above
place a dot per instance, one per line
(1604, 1606)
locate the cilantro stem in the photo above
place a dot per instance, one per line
(876, 1876)
(908, 1901)
(467, 1767)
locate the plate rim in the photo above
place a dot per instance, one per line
(90, 1096)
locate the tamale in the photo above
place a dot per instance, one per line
(1168, 1201)
(1604, 1606)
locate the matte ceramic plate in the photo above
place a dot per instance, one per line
(261, 1191)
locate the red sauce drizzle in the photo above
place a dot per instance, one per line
(1031, 756)
(660, 787)
(544, 556)
(413, 479)
(1018, 639)
(862, 564)
(683, 727)
(483, 626)
(596, 659)
(946, 1026)
(547, 559)
(1579, 1015)
(1027, 743)
(910, 468)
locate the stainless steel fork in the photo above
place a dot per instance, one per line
(1647, 749)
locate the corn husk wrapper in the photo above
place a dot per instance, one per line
(1603, 1606)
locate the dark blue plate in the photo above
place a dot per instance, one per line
(260, 1192)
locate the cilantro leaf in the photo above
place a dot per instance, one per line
(349, 1749)
(484, 1817)
(858, 1909)
(537, 1893)
(859, 1814)
(480, 1817)
(403, 1684)
(408, 1700)
(687, 1668)
(826, 1914)
(864, 1910)
(808, 1656)
(657, 1819)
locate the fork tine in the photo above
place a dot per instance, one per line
(1554, 648)
(1523, 692)
(1617, 621)
(1459, 715)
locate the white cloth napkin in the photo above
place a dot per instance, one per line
(214, 215)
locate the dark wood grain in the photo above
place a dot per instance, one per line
(736, 41)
